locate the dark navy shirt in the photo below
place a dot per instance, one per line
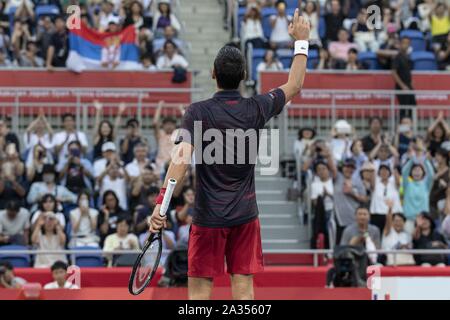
(225, 193)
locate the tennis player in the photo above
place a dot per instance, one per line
(225, 224)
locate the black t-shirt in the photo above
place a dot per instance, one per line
(402, 64)
(333, 24)
(12, 138)
(425, 242)
(226, 192)
(368, 143)
(60, 42)
(75, 178)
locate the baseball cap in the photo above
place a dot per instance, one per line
(108, 146)
(349, 163)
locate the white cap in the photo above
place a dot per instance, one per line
(343, 127)
(108, 146)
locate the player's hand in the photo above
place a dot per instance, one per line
(156, 222)
(300, 27)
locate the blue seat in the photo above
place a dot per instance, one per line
(46, 10)
(424, 60)
(313, 59)
(322, 27)
(88, 259)
(267, 27)
(257, 57)
(370, 59)
(285, 57)
(418, 42)
(291, 4)
(17, 260)
(241, 14)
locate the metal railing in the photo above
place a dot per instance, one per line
(316, 253)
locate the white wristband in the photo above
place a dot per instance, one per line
(301, 47)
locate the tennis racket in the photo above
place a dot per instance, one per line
(147, 262)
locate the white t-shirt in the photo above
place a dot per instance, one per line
(99, 167)
(133, 169)
(114, 242)
(280, 30)
(32, 139)
(84, 228)
(16, 226)
(383, 192)
(251, 29)
(61, 137)
(54, 285)
(392, 241)
(119, 186)
(164, 62)
(317, 188)
(340, 149)
(275, 66)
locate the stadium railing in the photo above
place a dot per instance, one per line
(315, 253)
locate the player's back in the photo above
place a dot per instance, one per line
(225, 133)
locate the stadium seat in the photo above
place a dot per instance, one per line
(17, 260)
(322, 27)
(241, 14)
(291, 4)
(313, 59)
(88, 259)
(424, 60)
(418, 42)
(266, 14)
(370, 59)
(285, 57)
(257, 57)
(46, 10)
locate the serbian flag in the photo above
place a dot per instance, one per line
(90, 49)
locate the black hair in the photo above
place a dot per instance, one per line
(48, 168)
(280, 2)
(443, 153)
(302, 130)
(12, 205)
(59, 265)
(151, 192)
(111, 134)
(385, 167)
(123, 218)
(44, 199)
(169, 42)
(362, 208)
(169, 120)
(7, 265)
(77, 142)
(148, 55)
(400, 215)
(169, 10)
(229, 68)
(67, 115)
(375, 118)
(353, 50)
(415, 165)
(108, 193)
(132, 122)
(318, 163)
(83, 192)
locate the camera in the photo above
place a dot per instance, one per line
(75, 153)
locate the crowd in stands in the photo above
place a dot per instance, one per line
(342, 36)
(34, 34)
(380, 191)
(59, 190)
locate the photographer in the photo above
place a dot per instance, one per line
(12, 184)
(62, 139)
(75, 171)
(14, 224)
(7, 278)
(37, 158)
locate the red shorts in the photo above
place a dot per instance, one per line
(240, 246)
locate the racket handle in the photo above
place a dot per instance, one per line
(167, 197)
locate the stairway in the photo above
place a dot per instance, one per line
(203, 21)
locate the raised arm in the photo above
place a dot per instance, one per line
(122, 108)
(299, 29)
(98, 114)
(156, 124)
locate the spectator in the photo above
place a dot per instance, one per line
(280, 38)
(404, 136)
(437, 133)
(147, 180)
(48, 203)
(84, 223)
(385, 189)
(384, 153)
(48, 185)
(341, 140)
(109, 155)
(114, 179)
(145, 210)
(132, 138)
(44, 32)
(395, 238)
(58, 49)
(353, 63)
(148, 62)
(4, 61)
(39, 132)
(48, 236)
(36, 159)
(440, 24)
(364, 37)
(357, 155)
(251, 29)
(169, 34)
(59, 274)
(14, 224)
(348, 195)
(417, 183)
(426, 236)
(135, 15)
(324, 60)
(19, 38)
(362, 233)
(376, 134)
(303, 143)
(12, 184)
(440, 182)
(8, 280)
(312, 14)
(270, 62)
(7, 136)
(165, 137)
(334, 20)
(401, 71)
(62, 139)
(109, 214)
(145, 41)
(135, 168)
(171, 58)
(105, 15)
(104, 130)
(339, 49)
(29, 57)
(367, 176)
(444, 55)
(446, 221)
(163, 18)
(120, 240)
(184, 214)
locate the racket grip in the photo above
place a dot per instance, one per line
(167, 197)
